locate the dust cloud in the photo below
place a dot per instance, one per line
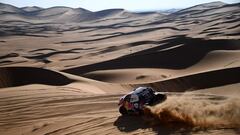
(196, 111)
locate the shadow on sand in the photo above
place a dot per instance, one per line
(129, 124)
(176, 52)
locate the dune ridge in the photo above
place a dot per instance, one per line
(198, 81)
(184, 56)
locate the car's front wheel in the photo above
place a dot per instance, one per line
(123, 110)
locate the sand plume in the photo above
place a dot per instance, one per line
(196, 111)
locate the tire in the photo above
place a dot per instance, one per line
(123, 110)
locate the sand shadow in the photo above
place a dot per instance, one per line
(19, 76)
(199, 81)
(177, 52)
(129, 124)
(44, 57)
(147, 30)
(10, 55)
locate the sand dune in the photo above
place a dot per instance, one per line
(18, 76)
(6, 8)
(62, 14)
(184, 55)
(199, 81)
(31, 9)
(205, 6)
(62, 70)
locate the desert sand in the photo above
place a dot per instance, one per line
(63, 70)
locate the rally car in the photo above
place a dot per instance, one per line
(133, 102)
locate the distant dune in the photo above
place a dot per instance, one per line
(6, 8)
(31, 9)
(206, 6)
(63, 70)
(60, 14)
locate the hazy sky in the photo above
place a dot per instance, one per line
(96, 5)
